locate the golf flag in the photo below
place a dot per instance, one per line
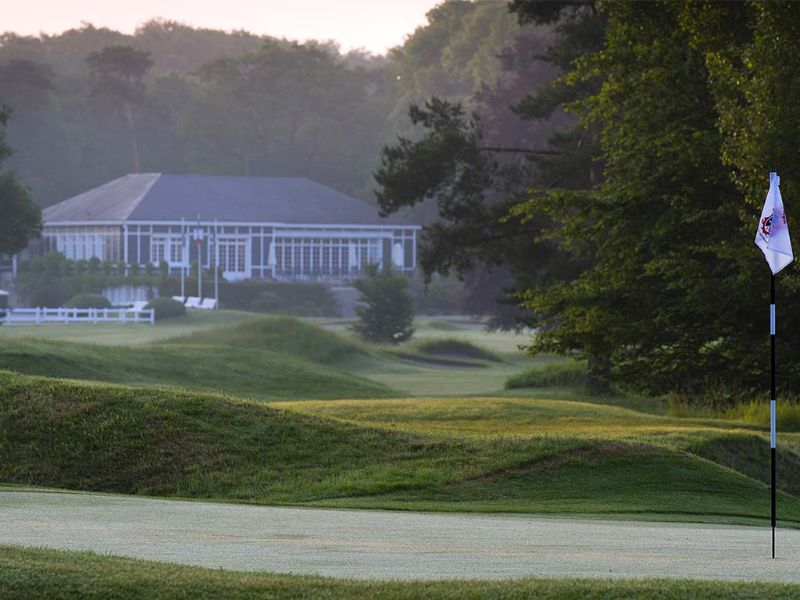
(198, 234)
(772, 235)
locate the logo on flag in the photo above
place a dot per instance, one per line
(772, 235)
(766, 223)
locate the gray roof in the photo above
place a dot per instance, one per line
(157, 197)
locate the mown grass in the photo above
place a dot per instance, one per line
(38, 573)
(247, 372)
(737, 445)
(407, 370)
(429, 366)
(119, 334)
(285, 335)
(156, 442)
(509, 416)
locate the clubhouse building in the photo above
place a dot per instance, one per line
(281, 228)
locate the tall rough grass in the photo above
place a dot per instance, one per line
(747, 411)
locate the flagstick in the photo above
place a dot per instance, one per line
(773, 408)
(216, 266)
(184, 260)
(199, 242)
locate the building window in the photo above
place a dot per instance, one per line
(83, 243)
(232, 254)
(166, 248)
(158, 246)
(323, 257)
(176, 251)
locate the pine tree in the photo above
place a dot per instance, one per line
(386, 313)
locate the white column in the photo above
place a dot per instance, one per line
(125, 243)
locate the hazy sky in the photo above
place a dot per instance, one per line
(372, 24)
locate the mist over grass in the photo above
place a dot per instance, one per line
(240, 371)
(284, 335)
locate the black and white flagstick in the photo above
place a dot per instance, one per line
(772, 237)
(773, 404)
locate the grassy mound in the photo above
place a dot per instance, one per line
(550, 375)
(740, 446)
(245, 372)
(284, 335)
(750, 454)
(38, 573)
(451, 347)
(161, 442)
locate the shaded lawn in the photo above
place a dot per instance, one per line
(37, 573)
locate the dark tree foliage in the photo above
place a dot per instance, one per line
(326, 117)
(20, 218)
(118, 73)
(752, 52)
(670, 300)
(386, 312)
(477, 167)
(473, 192)
(25, 83)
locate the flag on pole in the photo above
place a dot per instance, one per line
(772, 235)
(198, 234)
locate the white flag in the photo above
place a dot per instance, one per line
(772, 235)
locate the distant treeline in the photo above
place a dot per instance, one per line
(92, 104)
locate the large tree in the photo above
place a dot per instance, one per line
(752, 53)
(670, 301)
(477, 166)
(20, 218)
(118, 81)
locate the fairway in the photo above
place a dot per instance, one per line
(249, 373)
(390, 545)
(237, 353)
(277, 411)
(117, 334)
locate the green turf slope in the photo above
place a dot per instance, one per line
(741, 446)
(161, 442)
(253, 373)
(285, 335)
(28, 573)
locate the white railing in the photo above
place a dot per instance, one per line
(79, 315)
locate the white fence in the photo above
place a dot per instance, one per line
(79, 315)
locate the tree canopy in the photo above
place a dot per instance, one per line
(694, 109)
(196, 100)
(20, 218)
(636, 222)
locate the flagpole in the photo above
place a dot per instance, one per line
(773, 405)
(216, 266)
(184, 259)
(772, 237)
(199, 242)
